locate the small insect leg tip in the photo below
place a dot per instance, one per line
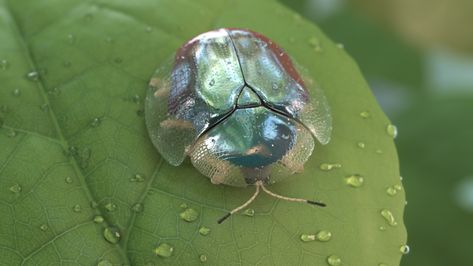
(316, 203)
(221, 220)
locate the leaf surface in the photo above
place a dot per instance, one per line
(74, 145)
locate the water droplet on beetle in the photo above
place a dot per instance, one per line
(33, 76)
(112, 235)
(4, 64)
(111, 207)
(405, 249)
(164, 250)
(389, 217)
(334, 260)
(137, 178)
(189, 215)
(212, 82)
(391, 130)
(16, 188)
(44, 227)
(68, 180)
(204, 230)
(16, 92)
(307, 237)
(203, 258)
(98, 219)
(249, 212)
(361, 145)
(365, 114)
(77, 208)
(104, 263)
(138, 207)
(329, 166)
(355, 181)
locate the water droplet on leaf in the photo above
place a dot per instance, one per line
(16, 92)
(138, 207)
(68, 180)
(389, 217)
(44, 227)
(112, 235)
(405, 249)
(95, 122)
(110, 206)
(164, 250)
(355, 181)
(204, 230)
(32, 76)
(77, 208)
(329, 166)
(137, 178)
(249, 212)
(361, 145)
(4, 64)
(391, 130)
(15, 188)
(334, 260)
(365, 114)
(203, 258)
(307, 237)
(98, 219)
(189, 215)
(324, 235)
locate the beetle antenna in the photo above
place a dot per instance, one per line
(244, 205)
(287, 198)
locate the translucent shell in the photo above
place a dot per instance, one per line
(234, 102)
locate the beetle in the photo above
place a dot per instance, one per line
(236, 104)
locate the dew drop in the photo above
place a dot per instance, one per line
(44, 227)
(203, 258)
(15, 188)
(340, 46)
(365, 114)
(189, 215)
(183, 205)
(95, 122)
(104, 263)
(98, 219)
(111, 207)
(405, 249)
(307, 237)
(33, 76)
(164, 250)
(361, 145)
(382, 228)
(329, 166)
(16, 92)
(391, 130)
(112, 235)
(77, 208)
(391, 191)
(355, 181)
(68, 180)
(334, 260)
(138, 207)
(54, 92)
(4, 64)
(136, 98)
(204, 230)
(324, 235)
(315, 43)
(137, 178)
(249, 212)
(389, 217)
(398, 187)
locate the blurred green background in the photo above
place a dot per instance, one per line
(417, 56)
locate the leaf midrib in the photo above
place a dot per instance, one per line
(62, 140)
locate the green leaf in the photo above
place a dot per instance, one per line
(74, 147)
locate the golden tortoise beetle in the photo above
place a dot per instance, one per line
(236, 104)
